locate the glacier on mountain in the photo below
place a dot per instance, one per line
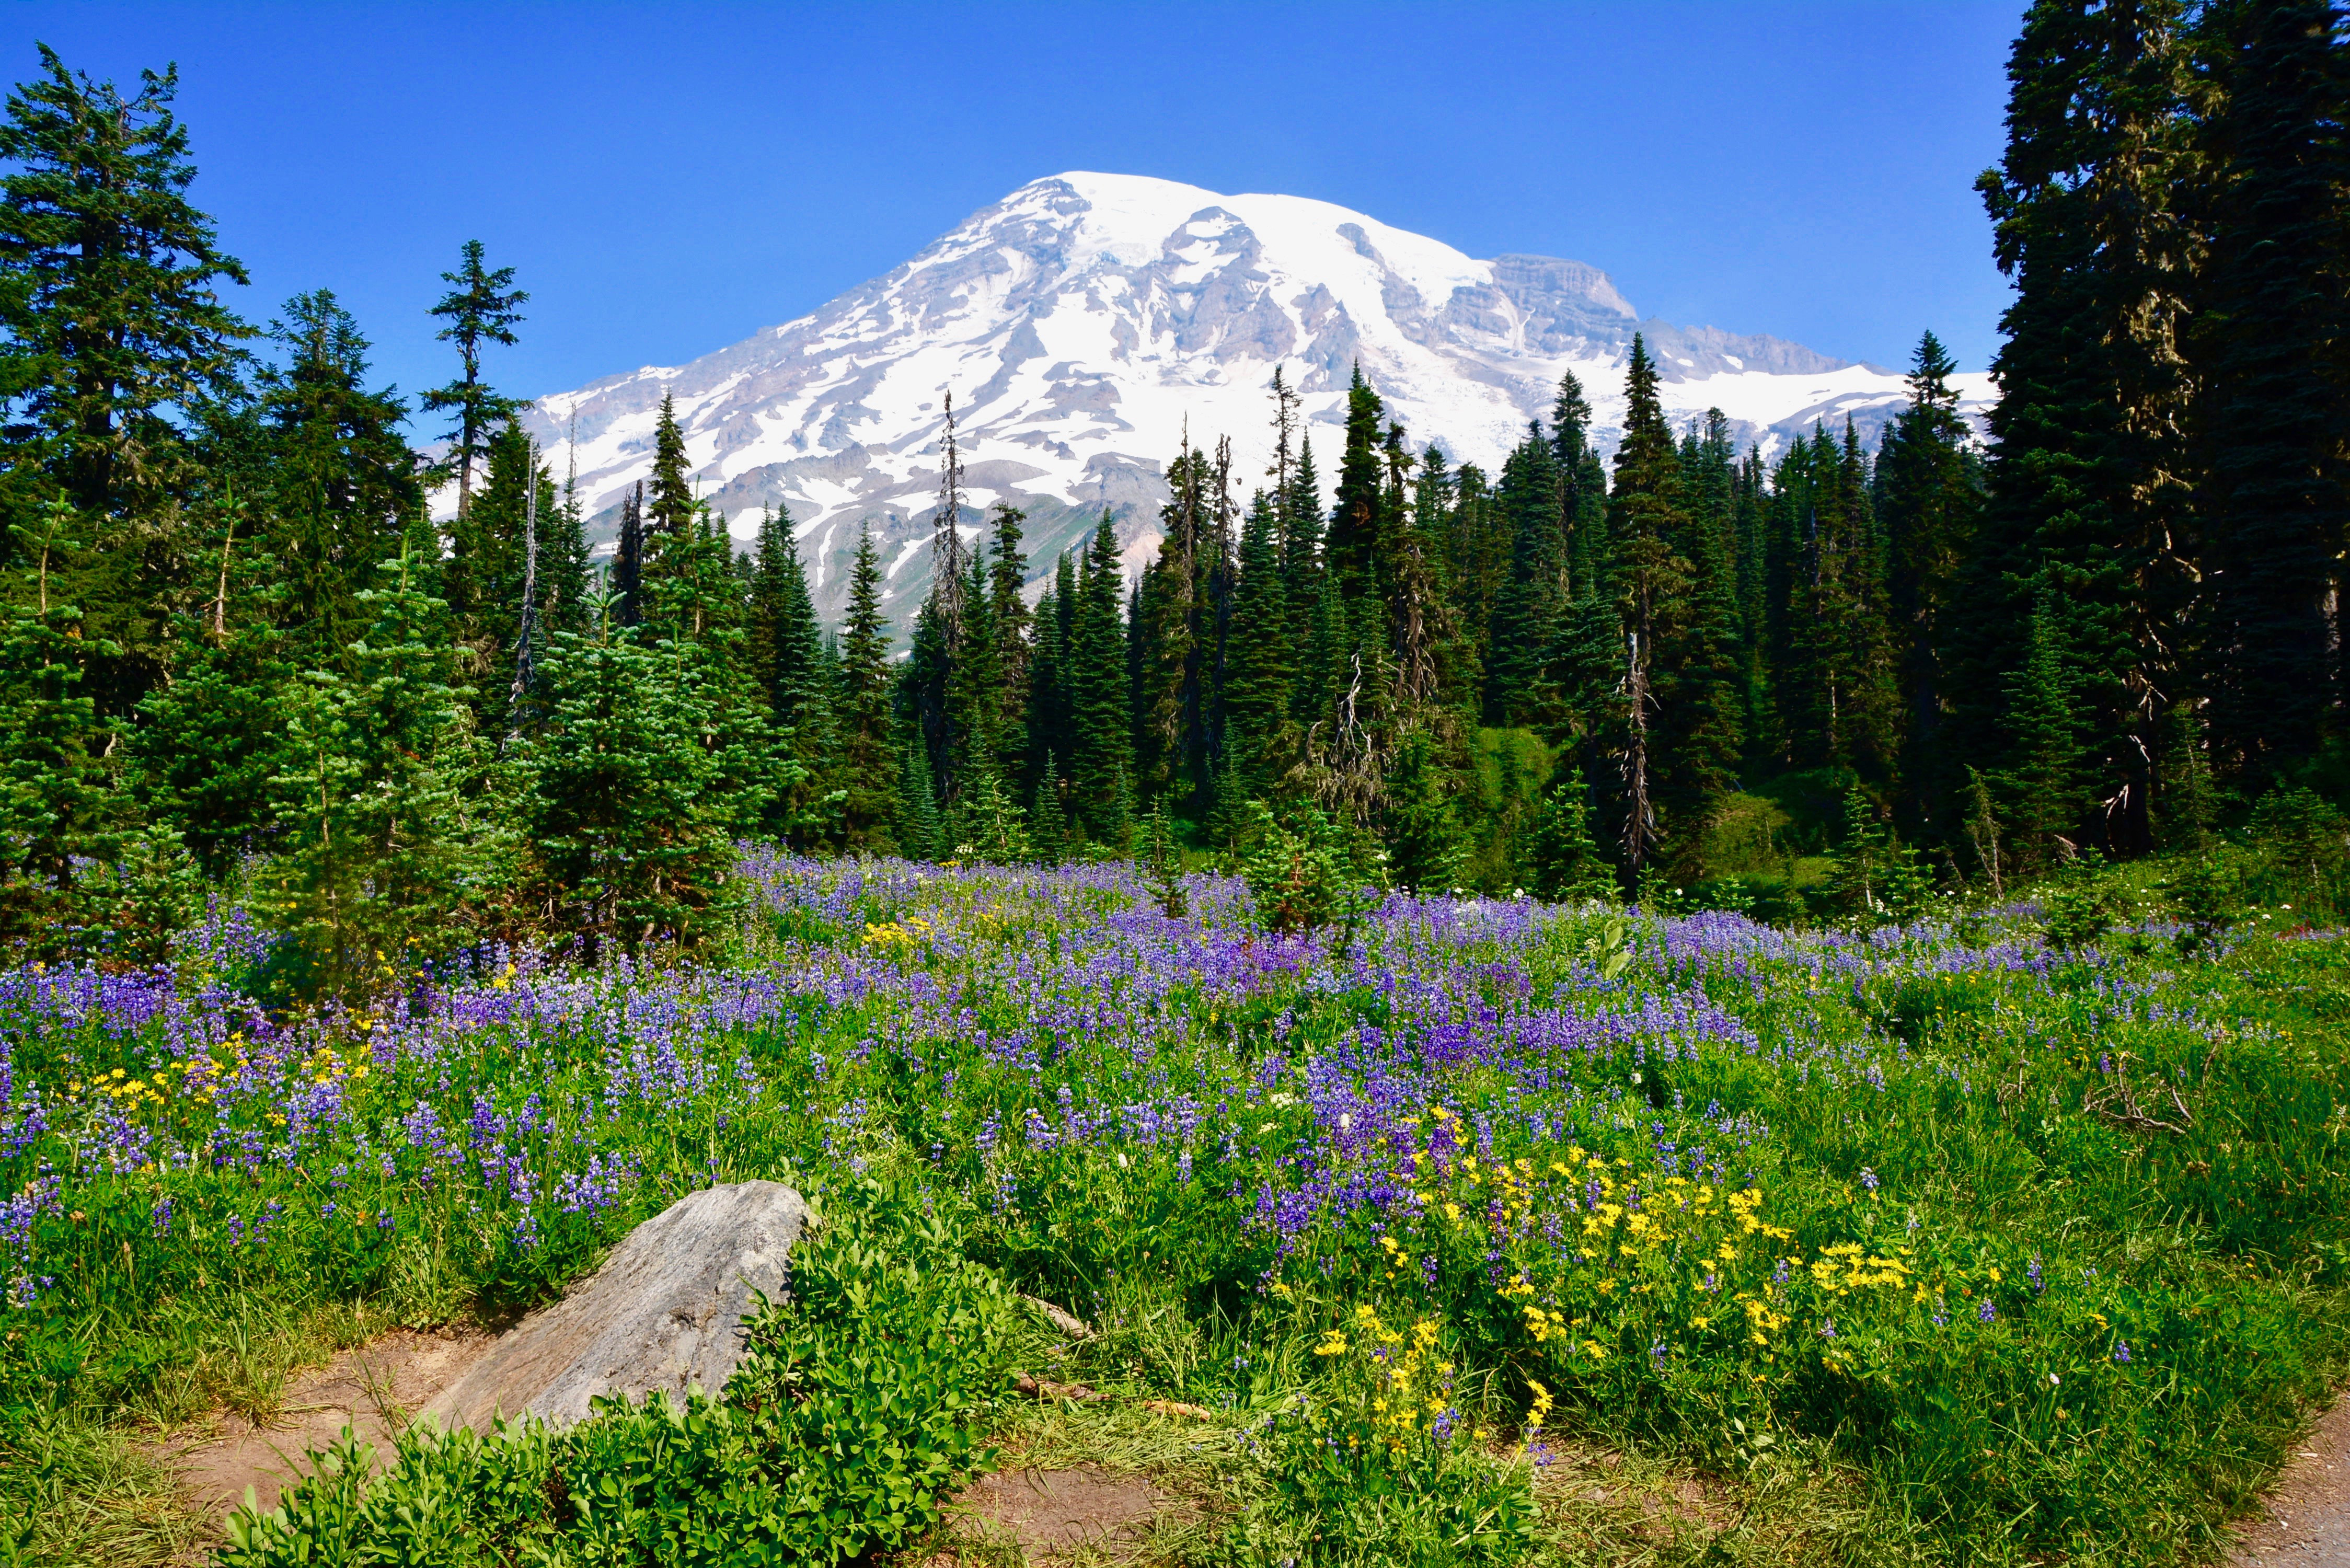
(1086, 321)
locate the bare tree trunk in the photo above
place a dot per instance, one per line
(1639, 821)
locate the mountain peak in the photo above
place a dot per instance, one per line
(1085, 320)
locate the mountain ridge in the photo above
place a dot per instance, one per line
(1086, 321)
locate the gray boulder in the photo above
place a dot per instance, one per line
(664, 1314)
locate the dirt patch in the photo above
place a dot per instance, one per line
(1052, 1516)
(372, 1391)
(2305, 1521)
(1654, 1502)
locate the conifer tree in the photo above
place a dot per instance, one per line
(670, 502)
(1699, 687)
(784, 647)
(1100, 715)
(1652, 587)
(630, 843)
(1750, 524)
(1932, 486)
(1565, 859)
(1790, 526)
(2044, 784)
(1322, 660)
(926, 692)
(1420, 822)
(868, 747)
(1302, 561)
(110, 302)
(629, 559)
(1049, 830)
(798, 683)
(109, 319)
(2086, 486)
(920, 834)
(338, 476)
(482, 307)
(694, 617)
(1007, 582)
(1522, 636)
(1260, 741)
(1583, 486)
(974, 690)
(497, 535)
(1356, 550)
(207, 744)
(57, 803)
(1166, 641)
(1875, 878)
(1217, 574)
(564, 571)
(376, 841)
(766, 603)
(1051, 728)
(2273, 317)
(1476, 552)
(1839, 698)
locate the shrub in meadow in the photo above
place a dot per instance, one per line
(851, 1419)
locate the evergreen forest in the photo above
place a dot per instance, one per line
(1832, 683)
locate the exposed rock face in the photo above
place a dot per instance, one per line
(664, 1314)
(1085, 320)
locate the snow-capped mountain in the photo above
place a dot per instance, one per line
(1083, 322)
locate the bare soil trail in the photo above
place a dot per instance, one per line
(1054, 1516)
(373, 1390)
(2305, 1521)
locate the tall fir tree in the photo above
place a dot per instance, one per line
(1522, 638)
(1302, 561)
(1357, 549)
(1931, 480)
(1007, 585)
(1101, 764)
(868, 768)
(975, 693)
(59, 805)
(627, 838)
(2273, 315)
(669, 500)
(1167, 639)
(335, 474)
(1838, 698)
(482, 307)
(111, 320)
(784, 648)
(1700, 689)
(1260, 740)
(1644, 518)
(371, 807)
(2087, 483)
(1051, 727)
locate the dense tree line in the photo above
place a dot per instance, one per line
(237, 643)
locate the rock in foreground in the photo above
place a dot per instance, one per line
(664, 1314)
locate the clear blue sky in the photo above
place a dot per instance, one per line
(668, 178)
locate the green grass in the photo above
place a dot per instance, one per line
(1991, 1255)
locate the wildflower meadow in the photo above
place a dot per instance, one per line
(2018, 1252)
